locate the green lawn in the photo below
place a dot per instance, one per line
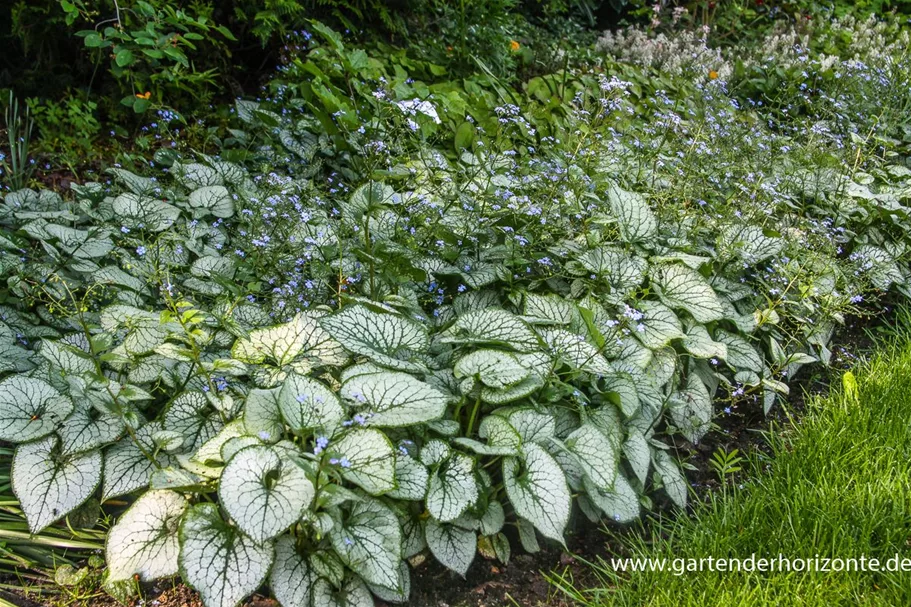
(837, 485)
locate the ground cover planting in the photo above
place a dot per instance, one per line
(395, 309)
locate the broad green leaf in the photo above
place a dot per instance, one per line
(126, 466)
(742, 356)
(659, 325)
(306, 404)
(290, 579)
(452, 546)
(394, 399)
(527, 536)
(551, 309)
(495, 368)
(620, 503)
(369, 542)
(48, 485)
(411, 479)
(679, 286)
(194, 416)
(575, 351)
(452, 488)
(492, 326)
(353, 593)
(637, 222)
(301, 341)
(219, 561)
(144, 540)
(671, 477)
(135, 183)
(537, 490)
(215, 199)
(691, 409)
(596, 453)
(30, 408)
(143, 212)
(700, 344)
(387, 339)
(637, 454)
(264, 493)
(371, 459)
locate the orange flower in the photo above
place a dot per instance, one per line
(514, 45)
(713, 75)
(145, 95)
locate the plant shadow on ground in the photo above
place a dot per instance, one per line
(523, 582)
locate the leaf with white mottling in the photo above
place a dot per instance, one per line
(219, 561)
(660, 325)
(495, 368)
(452, 488)
(213, 198)
(353, 593)
(501, 437)
(691, 409)
(194, 417)
(742, 356)
(679, 286)
(411, 479)
(620, 503)
(371, 458)
(50, 486)
(551, 308)
(537, 490)
(671, 477)
(264, 493)
(637, 222)
(574, 350)
(143, 212)
(452, 546)
(492, 326)
(637, 454)
(306, 404)
(387, 339)
(88, 429)
(290, 579)
(394, 399)
(596, 453)
(126, 467)
(30, 408)
(369, 542)
(301, 341)
(144, 540)
(700, 344)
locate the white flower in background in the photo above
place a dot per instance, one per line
(415, 106)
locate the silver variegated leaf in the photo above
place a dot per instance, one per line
(144, 540)
(371, 459)
(30, 408)
(394, 399)
(452, 489)
(219, 561)
(48, 485)
(537, 490)
(452, 546)
(389, 340)
(263, 492)
(680, 286)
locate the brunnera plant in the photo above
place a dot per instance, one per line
(316, 445)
